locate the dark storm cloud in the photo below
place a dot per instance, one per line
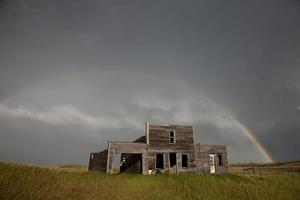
(242, 54)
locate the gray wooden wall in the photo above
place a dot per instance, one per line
(159, 142)
(126, 147)
(202, 156)
(98, 161)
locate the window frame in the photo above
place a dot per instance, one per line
(172, 137)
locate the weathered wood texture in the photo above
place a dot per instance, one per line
(157, 141)
(159, 136)
(202, 158)
(126, 147)
(191, 158)
(98, 161)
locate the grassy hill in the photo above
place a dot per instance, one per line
(75, 182)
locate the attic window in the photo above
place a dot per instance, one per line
(172, 137)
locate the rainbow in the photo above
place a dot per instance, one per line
(251, 135)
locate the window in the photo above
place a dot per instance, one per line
(220, 160)
(172, 137)
(159, 161)
(184, 160)
(172, 159)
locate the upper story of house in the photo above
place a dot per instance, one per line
(169, 136)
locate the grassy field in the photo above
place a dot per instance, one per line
(275, 167)
(75, 182)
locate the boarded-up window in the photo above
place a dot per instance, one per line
(184, 160)
(159, 161)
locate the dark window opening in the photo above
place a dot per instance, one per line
(172, 159)
(171, 134)
(220, 160)
(159, 161)
(172, 137)
(184, 160)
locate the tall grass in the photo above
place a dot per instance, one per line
(27, 182)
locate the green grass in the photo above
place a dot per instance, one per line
(29, 182)
(271, 164)
(274, 167)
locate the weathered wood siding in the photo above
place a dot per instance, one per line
(98, 161)
(126, 147)
(159, 142)
(202, 157)
(159, 136)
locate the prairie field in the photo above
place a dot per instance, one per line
(19, 181)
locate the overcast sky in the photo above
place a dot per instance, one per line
(76, 74)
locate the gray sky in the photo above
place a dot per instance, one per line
(75, 74)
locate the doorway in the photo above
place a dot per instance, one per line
(131, 163)
(212, 163)
(172, 157)
(159, 161)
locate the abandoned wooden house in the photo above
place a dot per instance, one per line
(165, 148)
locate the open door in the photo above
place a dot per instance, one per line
(172, 158)
(212, 163)
(116, 163)
(173, 163)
